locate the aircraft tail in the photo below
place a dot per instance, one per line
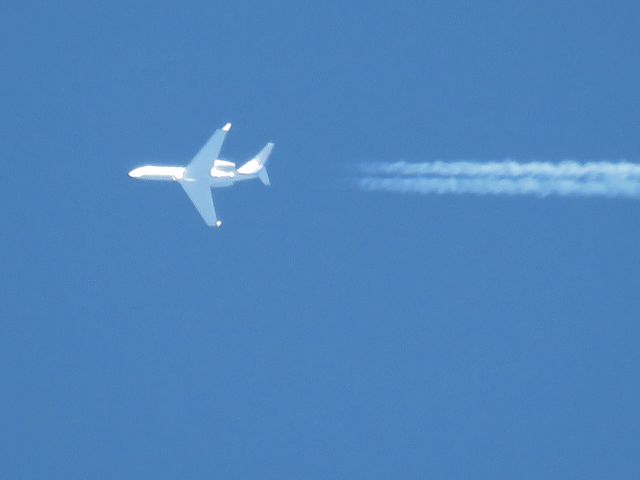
(262, 158)
(264, 177)
(257, 165)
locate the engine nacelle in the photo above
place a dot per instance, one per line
(223, 169)
(224, 165)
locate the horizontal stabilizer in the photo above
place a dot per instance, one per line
(263, 156)
(256, 165)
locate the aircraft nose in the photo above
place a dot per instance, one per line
(135, 173)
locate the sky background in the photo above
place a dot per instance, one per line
(324, 332)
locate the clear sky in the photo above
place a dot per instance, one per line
(324, 332)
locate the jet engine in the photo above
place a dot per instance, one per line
(223, 169)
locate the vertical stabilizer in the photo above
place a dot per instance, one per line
(257, 165)
(262, 158)
(264, 176)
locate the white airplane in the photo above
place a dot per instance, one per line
(206, 171)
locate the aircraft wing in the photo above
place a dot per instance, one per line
(200, 165)
(200, 194)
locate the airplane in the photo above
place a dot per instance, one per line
(206, 171)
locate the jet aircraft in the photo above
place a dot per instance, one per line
(206, 171)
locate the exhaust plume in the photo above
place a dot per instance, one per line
(569, 178)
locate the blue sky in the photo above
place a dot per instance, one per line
(324, 332)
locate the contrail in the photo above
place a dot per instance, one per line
(569, 178)
(508, 168)
(503, 186)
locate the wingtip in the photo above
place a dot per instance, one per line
(227, 127)
(219, 224)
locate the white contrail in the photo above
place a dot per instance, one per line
(507, 168)
(568, 178)
(503, 186)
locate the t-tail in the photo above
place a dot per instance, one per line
(257, 165)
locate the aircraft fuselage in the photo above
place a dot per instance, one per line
(205, 171)
(223, 173)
